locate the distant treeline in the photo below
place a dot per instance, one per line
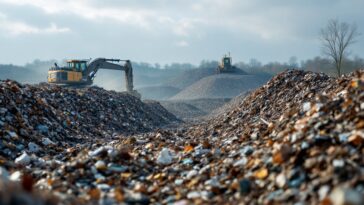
(254, 66)
(317, 64)
(147, 73)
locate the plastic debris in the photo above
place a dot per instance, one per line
(23, 159)
(165, 157)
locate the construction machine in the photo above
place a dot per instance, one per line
(80, 73)
(226, 65)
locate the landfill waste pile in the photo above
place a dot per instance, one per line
(296, 140)
(45, 119)
(299, 138)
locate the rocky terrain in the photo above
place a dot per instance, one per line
(298, 139)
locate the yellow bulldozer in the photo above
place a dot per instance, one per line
(80, 73)
(226, 65)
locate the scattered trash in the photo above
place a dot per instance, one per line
(23, 159)
(164, 157)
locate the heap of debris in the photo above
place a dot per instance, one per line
(284, 92)
(298, 139)
(52, 116)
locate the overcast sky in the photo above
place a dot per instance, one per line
(167, 31)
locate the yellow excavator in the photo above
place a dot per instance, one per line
(80, 73)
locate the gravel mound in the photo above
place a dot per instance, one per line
(220, 86)
(190, 76)
(189, 109)
(158, 92)
(182, 109)
(160, 114)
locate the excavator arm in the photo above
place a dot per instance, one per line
(111, 64)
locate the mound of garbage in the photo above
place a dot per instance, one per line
(35, 116)
(220, 86)
(296, 140)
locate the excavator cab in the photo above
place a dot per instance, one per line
(70, 74)
(77, 65)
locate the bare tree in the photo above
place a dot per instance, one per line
(336, 37)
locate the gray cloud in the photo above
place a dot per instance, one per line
(166, 31)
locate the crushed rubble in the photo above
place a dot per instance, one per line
(296, 140)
